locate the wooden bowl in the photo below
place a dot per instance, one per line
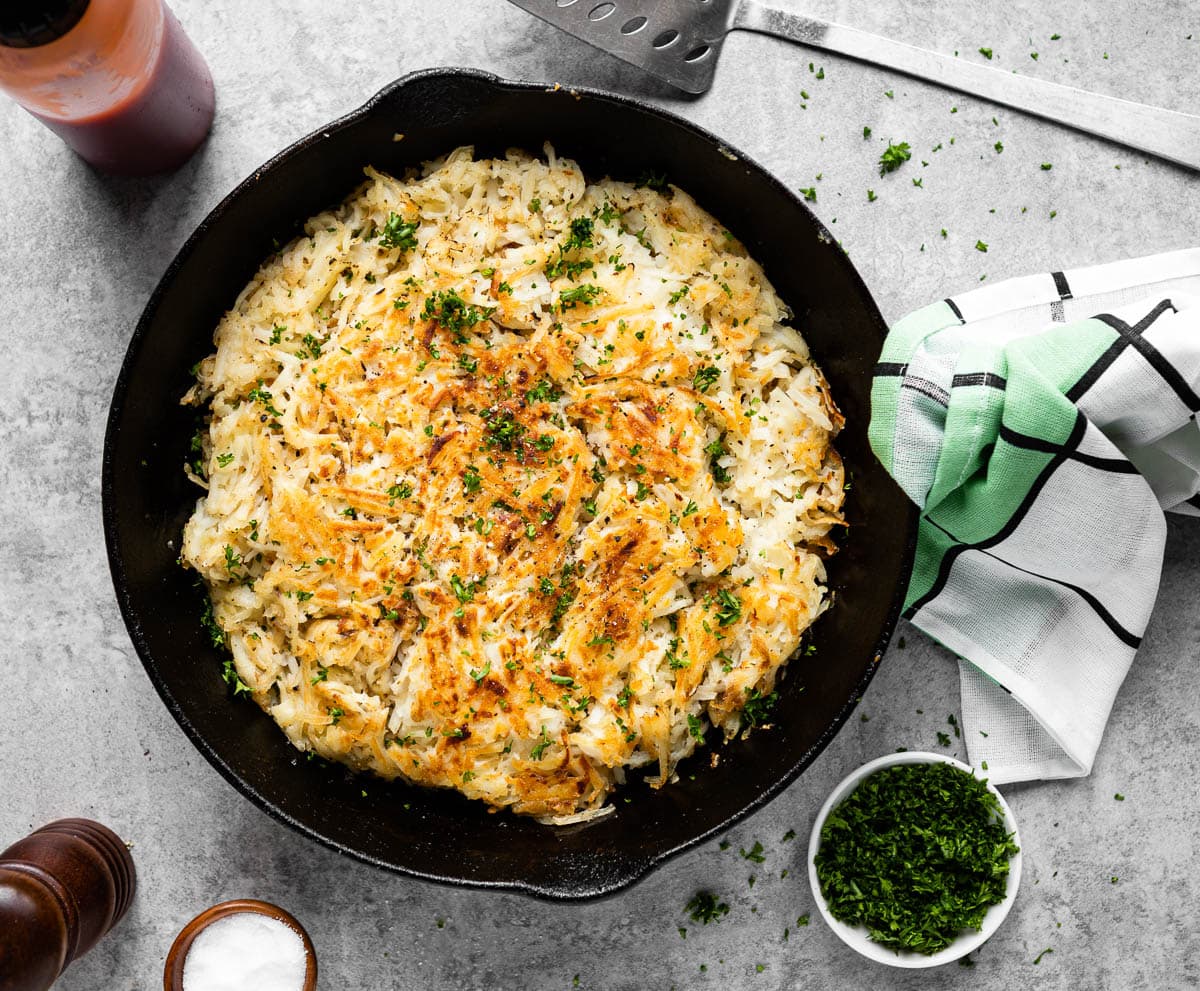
(173, 971)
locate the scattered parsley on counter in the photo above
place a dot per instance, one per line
(866, 133)
(981, 246)
(810, 194)
(1038, 958)
(871, 197)
(704, 908)
(894, 155)
(999, 146)
(755, 853)
(986, 53)
(917, 854)
(1046, 166)
(1119, 797)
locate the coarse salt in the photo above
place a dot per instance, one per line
(245, 951)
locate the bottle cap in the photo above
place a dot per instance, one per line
(31, 23)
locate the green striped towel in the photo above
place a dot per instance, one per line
(1043, 424)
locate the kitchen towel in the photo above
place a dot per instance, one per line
(1043, 425)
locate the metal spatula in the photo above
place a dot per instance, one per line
(679, 41)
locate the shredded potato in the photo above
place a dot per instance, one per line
(513, 481)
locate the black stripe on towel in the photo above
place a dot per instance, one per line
(927, 388)
(890, 369)
(1125, 636)
(1123, 340)
(979, 378)
(1005, 531)
(1166, 371)
(1118, 465)
(954, 309)
(1060, 285)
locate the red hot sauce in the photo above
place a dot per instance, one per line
(117, 80)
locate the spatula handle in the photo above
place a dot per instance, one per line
(1164, 133)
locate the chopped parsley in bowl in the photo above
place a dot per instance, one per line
(913, 860)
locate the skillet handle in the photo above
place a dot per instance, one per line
(584, 875)
(434, 96)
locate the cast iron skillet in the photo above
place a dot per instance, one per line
(439, 835)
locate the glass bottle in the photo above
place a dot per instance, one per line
(117, 80)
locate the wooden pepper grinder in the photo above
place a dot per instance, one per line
(61, 889)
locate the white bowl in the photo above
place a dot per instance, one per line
(856, 936)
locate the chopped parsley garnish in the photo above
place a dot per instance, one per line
(321, 675)
(335, 715)
(562, 679)
(917, 854)
(730, 607)
(535, 205)
(758, 707)
(233, 679)
(690, 508)
(471, 480)
(543, 392)
(705, 908)
(224, 460)
(463, 591)
(540, 747)
(260, 395)
(651, 180)
(581, 233)
(454, 314)
(678, 294)
(209, 623)
(398, 233)
(401, 490)
(467, 363)
(705, 377)
(894, 155)
(502, 430)
(695, 729)
(714, 451)
(571, 298)
(478, 676)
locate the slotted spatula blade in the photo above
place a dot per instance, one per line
(679, 41)
(676, 40)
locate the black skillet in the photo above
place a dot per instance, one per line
(434, 834)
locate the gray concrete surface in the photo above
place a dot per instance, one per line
(83, 733)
